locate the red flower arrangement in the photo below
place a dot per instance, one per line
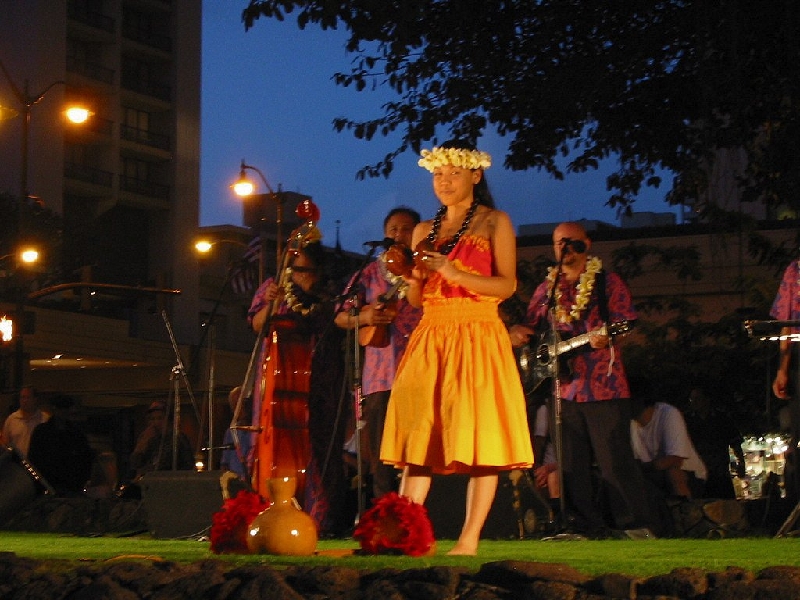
(229, 525)
(395, 525)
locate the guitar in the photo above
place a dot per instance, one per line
(537, 361)
(378, 335)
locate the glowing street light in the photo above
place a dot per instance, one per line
(203, 246)
(29, 256)
(245, 187)
(78, 114)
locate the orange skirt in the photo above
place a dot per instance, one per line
(457, 401)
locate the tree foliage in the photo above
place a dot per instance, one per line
(659, 84)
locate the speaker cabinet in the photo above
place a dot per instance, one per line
(446, 504)
(179, 504)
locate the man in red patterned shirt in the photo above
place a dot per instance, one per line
(595, 407)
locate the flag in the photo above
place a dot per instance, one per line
(244, 276)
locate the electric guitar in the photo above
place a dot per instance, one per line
(378, 335)
(537, 361)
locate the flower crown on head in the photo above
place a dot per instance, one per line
(458, 157)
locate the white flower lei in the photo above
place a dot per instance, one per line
(584, 286)
(391, 278)
(291, 300)
(458, 157)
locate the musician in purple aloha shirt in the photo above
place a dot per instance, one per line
(595, 408)
(380, 363)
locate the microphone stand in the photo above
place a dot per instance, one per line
(351, 294)
(178, 371)
(553, 340)
(209, 332)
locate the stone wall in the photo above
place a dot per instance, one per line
(131, 578)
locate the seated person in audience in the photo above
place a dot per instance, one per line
(153, 450)
(60, 452)
(662, 444)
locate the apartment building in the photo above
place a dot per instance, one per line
(125, 183)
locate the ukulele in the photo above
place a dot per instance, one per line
(399, 261)
(378, 335)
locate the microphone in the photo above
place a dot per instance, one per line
(385, 243)
(577, 246)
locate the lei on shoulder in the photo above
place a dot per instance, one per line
(584, 288)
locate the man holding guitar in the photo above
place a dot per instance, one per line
(591, 306)
(386, 319)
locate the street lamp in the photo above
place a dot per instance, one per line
(26, 102)
(14, 329)
(244, 187)
(203, 247)
(75, 114)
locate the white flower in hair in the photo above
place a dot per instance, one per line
(457, 157)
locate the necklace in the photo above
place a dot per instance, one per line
(584, 289)
(293, 303)
(437, 224)
(391, 278)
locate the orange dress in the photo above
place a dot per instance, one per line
(457, 401)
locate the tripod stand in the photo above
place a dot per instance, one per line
(177, 376)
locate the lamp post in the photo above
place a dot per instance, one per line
(244, 187)
(76, 114)
(15, 330)
(203, 247)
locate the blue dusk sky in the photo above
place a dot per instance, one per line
(268, 97)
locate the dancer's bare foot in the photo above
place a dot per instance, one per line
(463, 549)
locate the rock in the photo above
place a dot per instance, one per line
(134, 578)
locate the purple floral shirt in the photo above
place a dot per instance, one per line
(786, 306)
(380, 364)
(587, 379)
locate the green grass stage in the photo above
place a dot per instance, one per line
(633, 557)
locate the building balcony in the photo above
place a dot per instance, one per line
(143, 188)
(146, 87)
(144, 136)
(88, 175)
(80, 13)
(146, 37)
(92, 70)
